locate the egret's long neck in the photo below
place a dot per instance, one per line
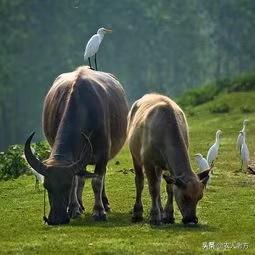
(243, 137)
(244, 126)
(217, 139)
(101, 36)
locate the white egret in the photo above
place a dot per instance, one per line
(245, 154)
(93, 45)
(202, 165)
(213, 151)
(201, 162)
(38, 177)
(239, 141)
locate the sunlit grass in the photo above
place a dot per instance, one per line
(226, 213)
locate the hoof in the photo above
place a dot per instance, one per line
(168, 220)
(101, 217)
(136, 219)
(107, 207)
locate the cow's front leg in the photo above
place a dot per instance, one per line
(105, 199)
(168, 214)
(99, 213)
(74, 209)
(154, 180)
(80, 187)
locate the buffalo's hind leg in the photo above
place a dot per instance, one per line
(139, 183)
(99, 213)
(154, 180)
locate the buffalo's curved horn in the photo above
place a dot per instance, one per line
(86, 155)
(33, 161)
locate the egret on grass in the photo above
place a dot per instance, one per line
(38, 178)
(93, 45)
(245, 155)
(213, 151)
(202, 165)
(239, 141)
(201, 162)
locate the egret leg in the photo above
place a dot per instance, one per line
(90, 64)
(96, 61)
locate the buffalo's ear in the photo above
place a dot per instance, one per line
(203, 174)
(205, 180)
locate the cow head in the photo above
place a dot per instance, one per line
(58, 180)
(187, 195)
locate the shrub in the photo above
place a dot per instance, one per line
(13, 163)
(220, 108)
(246, 109)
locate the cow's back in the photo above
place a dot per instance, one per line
(98, 95)
(151, 119)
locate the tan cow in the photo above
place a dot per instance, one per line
(158, 140)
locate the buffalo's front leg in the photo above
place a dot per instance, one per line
(80, 187)
(105, 199)
(168, 214)
(99, 213)
(74, 206)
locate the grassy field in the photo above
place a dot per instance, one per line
(226, 213)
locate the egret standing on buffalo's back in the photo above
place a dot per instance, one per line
(93, 45)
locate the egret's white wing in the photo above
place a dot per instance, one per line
(212, 154)
(38, 176)
(245, 154)
(92, 46)
(239, 141)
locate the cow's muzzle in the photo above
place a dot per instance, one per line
(190, 220)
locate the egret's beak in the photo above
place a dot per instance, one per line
(107, 30)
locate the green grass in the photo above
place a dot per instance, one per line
(226, 213)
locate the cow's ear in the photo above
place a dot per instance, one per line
(205, 180)
(203, 174)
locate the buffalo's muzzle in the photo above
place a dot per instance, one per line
(190, 220)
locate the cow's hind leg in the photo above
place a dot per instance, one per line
(154, 180)
(139, 183)
(168, 214)
(99, 213)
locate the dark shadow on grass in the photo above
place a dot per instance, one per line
(123, 219)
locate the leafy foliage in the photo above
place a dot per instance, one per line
(13, 163)
(204, 94)
(220, 108)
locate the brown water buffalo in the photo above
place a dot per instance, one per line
(84, 121)
(158, 140)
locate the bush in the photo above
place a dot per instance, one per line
(200, 95)
(13, 163)
(246, 109)
(220, 108)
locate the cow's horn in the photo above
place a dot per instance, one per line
(86, 155)
(34, 162)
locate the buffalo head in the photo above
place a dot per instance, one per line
(187, 194)
(58, 180)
